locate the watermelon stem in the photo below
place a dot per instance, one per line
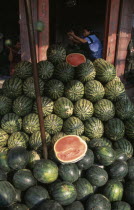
(35, 73)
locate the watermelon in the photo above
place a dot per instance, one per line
(3, 161)
(11, 123)
(49, 204)
(45, 69)
(129, 192)
(73, 126)
(45, 171)
(120, 155)
(94, 128)
(35, 195)
(70, 149)
(75, 59)
(54, 89)
(64, 72)
(105, 71)
(35, 141)
(105, 155)
(23, 69)
(57, 136)
(69, 172)
(19, 206)
(18, 158)
(18, 139)
(99, 142)
(85, 72)
(33, 157)
(87, 161)
(7, 194)
(130, 174)
(114, 129)
(125, 146)
(94, 90)
(118, 169)
(76, 205)
(53, 124)
(3, 175)
(3, 138)
(104, 110)
(31, 123)
(97, 176)
(74, 90)
(98, 202)
(129, 128)
(64, 193)
(12, 87)
(120, 205)
(63, 107)
(83, 188)
(113, 190)
(29, 88)
(83, 109)
(23, 179)
(47, 106)
(114, 90)
(5, 105)
(56, 53)
(22, 105)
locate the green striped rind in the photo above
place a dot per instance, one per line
(45, 69)
(12, 87)
(73, 126)
(75, 205)
(18, 139)
(93, 128)
(97, 176)
(129, 192)
(3, 149)
(47, 106)
(74, 90)
(3, 138)
(53, 124)
(3, 159)
(33, 157)
(124, 109)
(105, 71)
(54, 89)
(83, 188)
(64, 192)
(98, 201)
(114, 129)
(19, 206)
(94, 90)
(45, 171)
(11, 123)
(83, 109)
(7, 194)
(85, 72)
(56, 54)
(104, 110)
(64, 72)
(113, 190)
(29, 89)
(69, 172)
(85, 138)
(31, 123)
(125, 146)
(22, 105)
(57, 136)
(118, 169)
(35, 141)
(120, 205)
(105, 155)
(129, 128)
(114, 90)
(23, 69)
(87, 161)
(63, 107)
(5, 105)
(99, 142)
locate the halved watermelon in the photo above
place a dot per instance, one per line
(75, 59)
(70, 149)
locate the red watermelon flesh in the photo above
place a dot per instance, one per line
(75, 59)
(70, 149)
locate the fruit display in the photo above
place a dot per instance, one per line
(89, 129)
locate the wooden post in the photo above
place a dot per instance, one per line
(35, 73)
(112, 30)
(43, 15)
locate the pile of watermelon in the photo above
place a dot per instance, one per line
(86, 102)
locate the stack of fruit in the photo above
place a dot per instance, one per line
(87, 101)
